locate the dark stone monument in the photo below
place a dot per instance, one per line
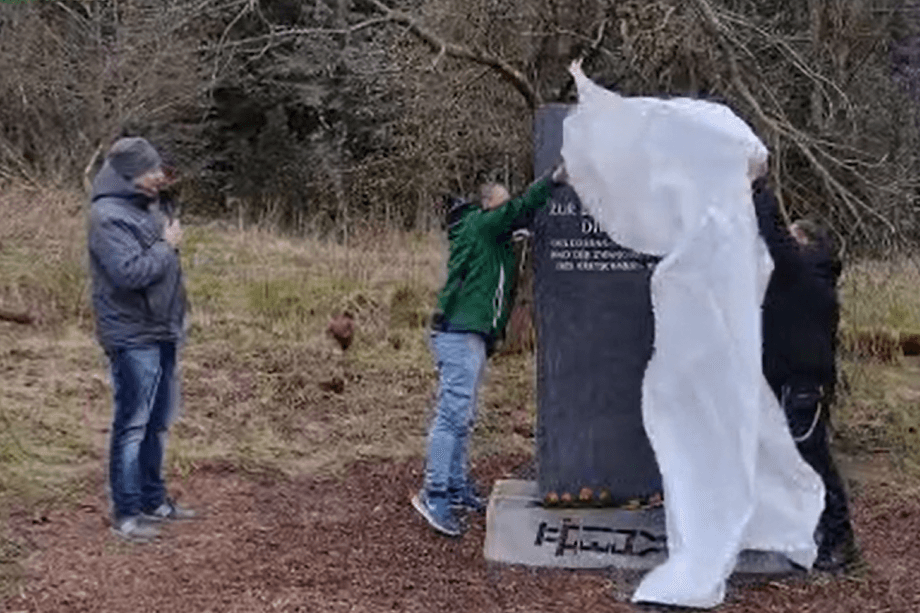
(594, 338)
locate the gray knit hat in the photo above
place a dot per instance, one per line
(132, 157)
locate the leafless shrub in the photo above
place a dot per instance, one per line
(815, 80)
(333, 114)
(76, 74)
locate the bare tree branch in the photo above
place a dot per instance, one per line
(88, 171)
(250, 5)
(796, 59)
(851, 201)
(278, 35)
(439, 44)
(21, 168)
(600, 35)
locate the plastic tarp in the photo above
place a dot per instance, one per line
(673, 178)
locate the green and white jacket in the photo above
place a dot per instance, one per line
(481, 266)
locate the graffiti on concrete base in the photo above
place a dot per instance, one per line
(574, 537)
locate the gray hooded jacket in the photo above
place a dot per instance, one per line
(138, 291)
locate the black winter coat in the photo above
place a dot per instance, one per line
(800, 309)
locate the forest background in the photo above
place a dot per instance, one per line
(329, 116)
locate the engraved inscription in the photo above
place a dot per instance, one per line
(594, 251)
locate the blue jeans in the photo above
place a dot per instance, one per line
(145, 390)
(461, 359)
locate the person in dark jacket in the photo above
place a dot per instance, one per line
(800, 319)
(139, 305)
(473, 309)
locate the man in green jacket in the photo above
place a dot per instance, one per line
(473, 308)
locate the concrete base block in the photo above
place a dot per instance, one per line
(519, 530)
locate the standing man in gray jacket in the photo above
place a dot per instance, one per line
(139, 304)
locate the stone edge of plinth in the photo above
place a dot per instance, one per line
(520, 531)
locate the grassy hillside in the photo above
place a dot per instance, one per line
(880, 321)
(265, 387)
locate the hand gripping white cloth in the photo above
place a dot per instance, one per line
(673, 178)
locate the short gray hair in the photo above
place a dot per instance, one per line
(490, 191)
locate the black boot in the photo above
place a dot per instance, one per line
(838, 553)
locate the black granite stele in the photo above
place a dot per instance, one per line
(595, 333)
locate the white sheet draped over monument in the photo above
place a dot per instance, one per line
(672, 178)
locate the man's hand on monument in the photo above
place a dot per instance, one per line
(560, 175)
(575, 66)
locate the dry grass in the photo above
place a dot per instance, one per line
(880, 308)
(42, 255)
(878, 408)
(265, 387)
(258, 367)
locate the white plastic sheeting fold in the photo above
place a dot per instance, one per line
(673, 178)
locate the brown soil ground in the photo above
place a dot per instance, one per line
(270, 543)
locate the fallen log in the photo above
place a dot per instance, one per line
(19, 318)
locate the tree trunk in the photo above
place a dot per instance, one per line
(520, 337)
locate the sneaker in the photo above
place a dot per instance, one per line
(134, 529)
(435, 508)
(169, 511)
(467, 498)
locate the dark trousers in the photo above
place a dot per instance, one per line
(807, 417)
